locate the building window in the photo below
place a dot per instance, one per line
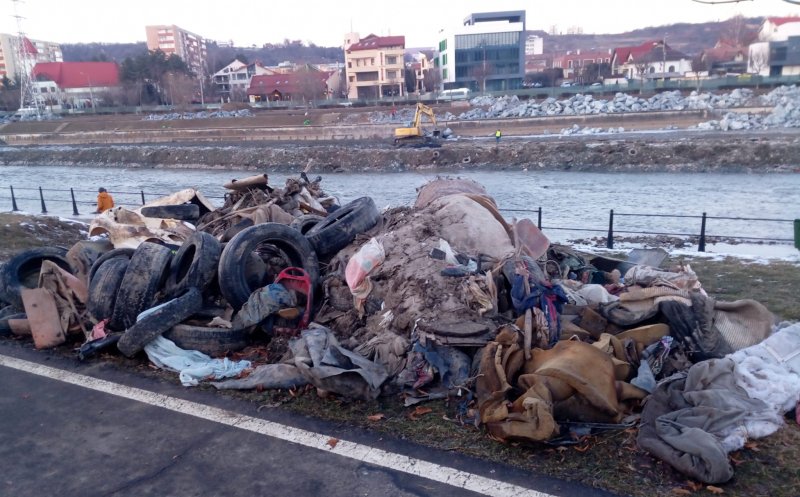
(349, 64)
(391, 60)
(372, 61)
(391, 74)
(444, 59)
(671, 69)
(652, 70)
(444, 73)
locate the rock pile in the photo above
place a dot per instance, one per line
(217, 114)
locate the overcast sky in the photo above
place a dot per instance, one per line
(324, 23)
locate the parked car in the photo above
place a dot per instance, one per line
(566, 84)
(596, 84)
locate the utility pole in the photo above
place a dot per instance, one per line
(664, 60)
(26, 96)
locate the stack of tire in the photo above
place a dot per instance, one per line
(174, 287)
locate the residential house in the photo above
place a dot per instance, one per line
(75, 85)
(538, 63)
(486, 53)
(420, 61)
(773, 29)
(784, 57)
(374, 66)
(723, 59)
(33, 52)
(534, 45)
(171, 39)
(650, 60)
(233, 80)
(301, 86)
(573, 63)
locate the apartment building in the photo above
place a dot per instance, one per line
(171, 39)
(486, 53)
(36, 51)
(374, 66)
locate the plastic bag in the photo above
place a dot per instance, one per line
(368, 257)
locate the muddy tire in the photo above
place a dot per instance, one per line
(121, 253)
(306, 222)
(144, 277)
(159, 321)
(22, 271)
(5, 329)
(194, 265)
(290, 243)
(340, 228)
(105, 286)
(183, 212)
(211, 341)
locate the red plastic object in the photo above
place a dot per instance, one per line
(297, 279)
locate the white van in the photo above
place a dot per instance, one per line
(25, 113)
(455, 94)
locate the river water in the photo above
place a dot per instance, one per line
(576, 200)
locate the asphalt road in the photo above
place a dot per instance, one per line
(72, 429)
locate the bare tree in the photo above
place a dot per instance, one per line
(310, 84)
(481, 73)
(759, 59)
(180, 88)
(432, 78)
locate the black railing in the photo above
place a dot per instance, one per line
(611, 231)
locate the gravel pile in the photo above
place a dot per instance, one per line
(577, 130)
(785, 113)
(218, 114)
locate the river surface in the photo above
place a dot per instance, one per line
(574, 204)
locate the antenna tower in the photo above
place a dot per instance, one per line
(24, 67)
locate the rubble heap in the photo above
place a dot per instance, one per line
(443, 299)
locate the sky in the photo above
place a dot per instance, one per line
(324, 23)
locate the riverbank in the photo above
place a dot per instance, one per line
(676, 151)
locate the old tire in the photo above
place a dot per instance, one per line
(144, 277)
(105, 286)
(182, 212)
(22, 271)
(340, 228)
(211, 341)
(194, 265)
(233, 277)
(158, 321)
(122, 253)
(305, 222)
(5, 329)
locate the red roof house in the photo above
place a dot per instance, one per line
(372, 42)
(71, 75)
(292, 86)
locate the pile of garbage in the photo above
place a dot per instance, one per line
(444, 299)
(217, 114)
(587, 130)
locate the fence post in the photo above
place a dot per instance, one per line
(797, 234)
(74, 204)
(41, 197)
(539, 220)
(142, 192)
(701, 246)
(610, 240)
(14, 207)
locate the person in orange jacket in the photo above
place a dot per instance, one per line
(104, 200)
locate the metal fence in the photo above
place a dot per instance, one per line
(43, 196)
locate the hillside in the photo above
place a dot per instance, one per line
(686, 37)
(218, 57)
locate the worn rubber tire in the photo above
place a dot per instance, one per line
(159, 321)
(5, 329)
(182, 212)
(306, 222)
(233, 279)
(211, 341)
(147, 272)
(340, 228)
(194, 264)
(123, 253)
(105, 286)
(23, 267)
(8, 311)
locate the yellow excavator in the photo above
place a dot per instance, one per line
(414, 134)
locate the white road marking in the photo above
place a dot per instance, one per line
(364, 453)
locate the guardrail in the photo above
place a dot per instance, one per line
(611, 230)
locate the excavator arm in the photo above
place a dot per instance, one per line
(415, 130)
